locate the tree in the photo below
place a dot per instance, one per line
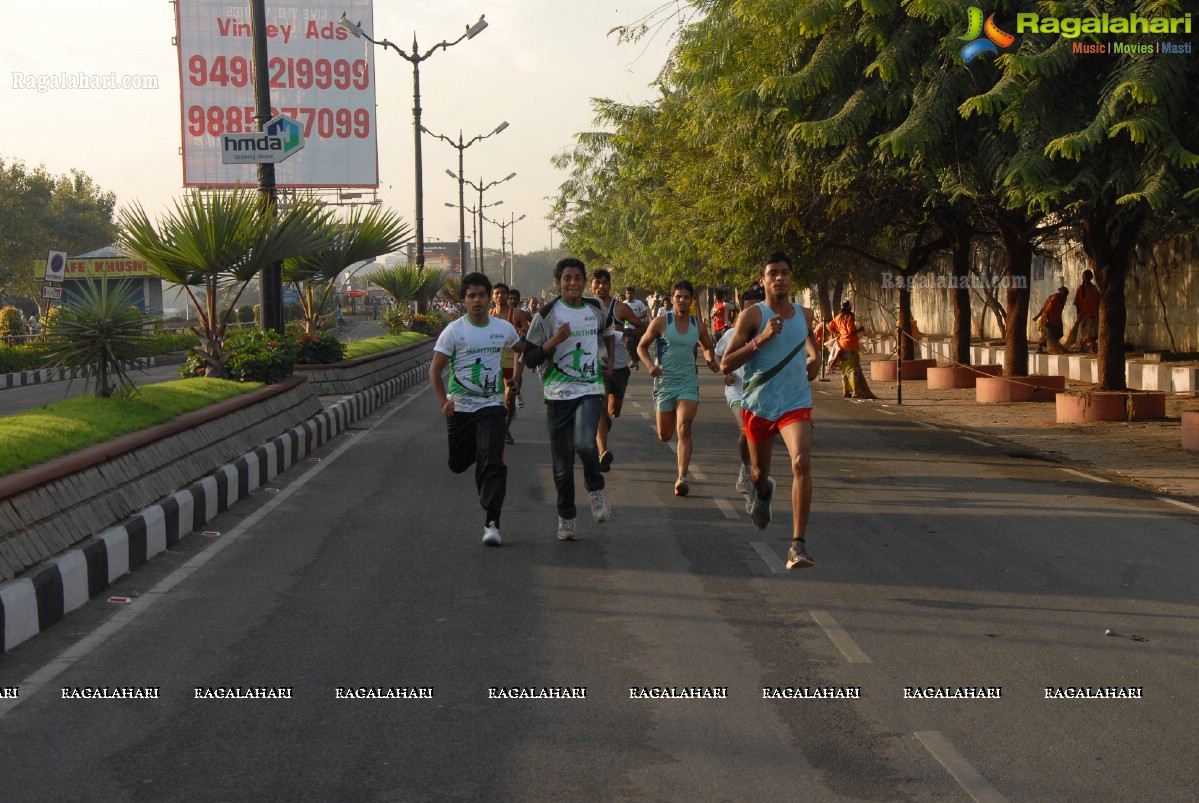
(100, 334)
(219, 243)
(1108, 147)
(361, 238)
(43, 212)
(405, 283)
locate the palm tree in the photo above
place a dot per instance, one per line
(360, 239)
(218, 243)
(406, 283)
(97, 334)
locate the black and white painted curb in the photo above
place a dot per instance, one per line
(38, 599)
(44, 376)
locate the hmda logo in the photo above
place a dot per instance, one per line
(281, 138)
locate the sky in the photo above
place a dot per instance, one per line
(536, 66)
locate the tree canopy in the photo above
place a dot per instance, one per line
(855, 132)
(42, 212)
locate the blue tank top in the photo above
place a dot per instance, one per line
(776, 377)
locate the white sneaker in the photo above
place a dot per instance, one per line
(743, 483)
(600, 509)
(566, 529)
(491, 534)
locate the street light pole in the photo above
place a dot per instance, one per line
(461, 147)
(481, 188)
(270, 282)
(504, 241)
(415, 59)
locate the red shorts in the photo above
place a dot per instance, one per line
(761, 430)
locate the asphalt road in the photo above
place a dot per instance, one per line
(941, 562)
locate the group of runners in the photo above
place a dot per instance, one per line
(584, 348)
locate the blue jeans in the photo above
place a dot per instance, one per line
(572, 424)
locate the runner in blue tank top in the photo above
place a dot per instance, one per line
(676, 385)
(774, 341)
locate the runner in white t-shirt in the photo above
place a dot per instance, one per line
(471, 348)
(566, 336)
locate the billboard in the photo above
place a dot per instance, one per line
(440, 256)
(319, 75)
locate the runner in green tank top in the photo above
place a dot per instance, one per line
(677, 395)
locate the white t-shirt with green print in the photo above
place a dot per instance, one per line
(476, 379)
(574, 369)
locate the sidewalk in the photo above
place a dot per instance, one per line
(1147, 453)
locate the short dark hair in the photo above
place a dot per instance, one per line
(720, 295)
(630, 289)
(498, 285)
(512, 291)
(601, 273)
(775, 256)
(753, 294)
(473, 280)
(569, 262)
(683, 284)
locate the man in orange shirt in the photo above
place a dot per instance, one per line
(1086, 301)
(846, 328)
(1051, 321)
(720, 320)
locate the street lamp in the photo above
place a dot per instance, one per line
(481, 188)
(504, 224)
(461, 185)
(415, 58)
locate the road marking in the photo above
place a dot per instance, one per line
(976, 440)
(979, 789)
(1085, 476)
(926, 425)
(852, 652)
(1180, 504)
(725, 508)
(80, 649)
(646, 415)
(697, 474)
(767, 554)
(888, 412)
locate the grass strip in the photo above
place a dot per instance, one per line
(37, 436)
(361, 348)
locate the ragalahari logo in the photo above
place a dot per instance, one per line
(287, 130)
(976, 44)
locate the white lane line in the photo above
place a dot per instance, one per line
(888, 412)
(646, 415)
(1084, 476)
(637, 404)
(80, 649)
(767, 554)
(926, 425)
(848, 647)
(692, 471)
(725, 508)
(976, 440)
(979, 789)
(1180, 504)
